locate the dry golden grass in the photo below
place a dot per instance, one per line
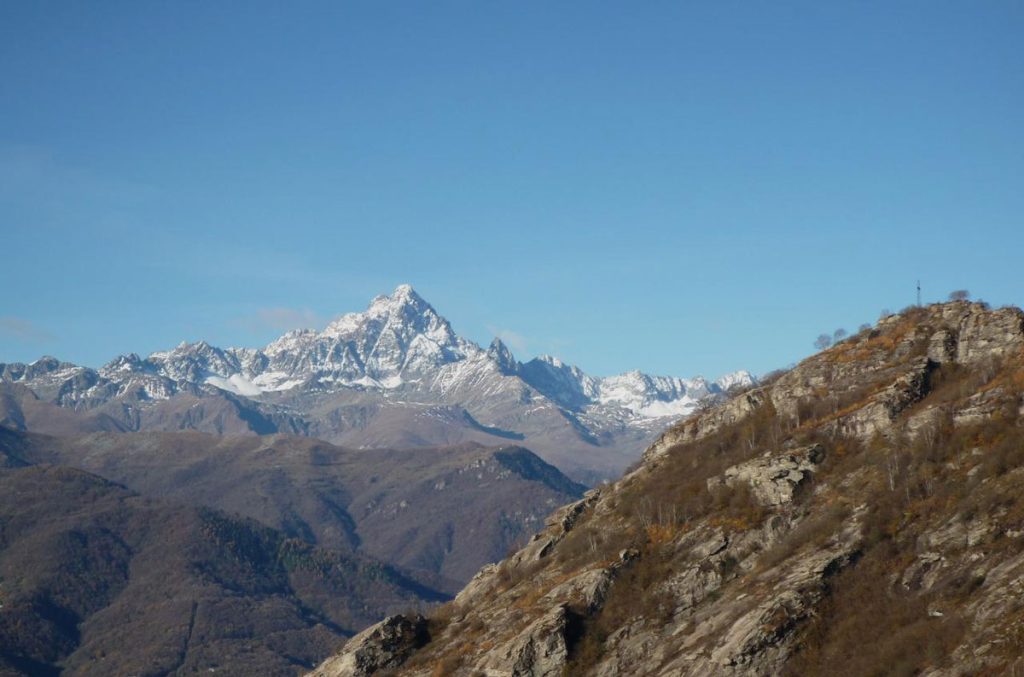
(660, 534)
(872, 347)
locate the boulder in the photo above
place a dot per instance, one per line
(774, 478)
(385, 645)
(538, 651)
(942, 347)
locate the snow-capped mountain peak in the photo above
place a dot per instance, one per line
(502, 356)
(399, 361)
(742, 379)
(404, 305)
(400, 342)
(397, 334)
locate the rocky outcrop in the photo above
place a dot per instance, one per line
(382, 646)
(730, 412)
(540, 650)
(942, 347)
(559, 524)
(987, 335)
(774, 477)
(760, 640)
(876, 414)
(589, 590)
(980, 407)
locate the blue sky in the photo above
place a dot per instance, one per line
(677, 187)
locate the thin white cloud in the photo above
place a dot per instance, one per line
(23, 330)
(39, 177)
(283, 319)
(514, 340)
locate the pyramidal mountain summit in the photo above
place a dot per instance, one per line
(394, 375)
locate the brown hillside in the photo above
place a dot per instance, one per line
(439, 513)
(97, 580)
(861, 514)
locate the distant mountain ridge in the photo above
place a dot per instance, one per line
(98, 580)
(367, 379)
(437, 513)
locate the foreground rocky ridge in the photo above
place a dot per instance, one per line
(869, 497)
(396, 375)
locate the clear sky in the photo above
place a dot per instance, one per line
(681, 188)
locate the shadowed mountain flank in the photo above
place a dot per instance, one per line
(441, 513)
(96, 580)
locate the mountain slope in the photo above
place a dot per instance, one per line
(394, 375)
(96, 580)
(862, 514)
(440, 513)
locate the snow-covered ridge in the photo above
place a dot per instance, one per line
(399, 344)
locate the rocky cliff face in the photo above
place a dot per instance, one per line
(861, 514)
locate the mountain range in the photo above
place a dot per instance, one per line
(395, 375)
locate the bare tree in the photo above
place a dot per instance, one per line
(838, 335)
(823, 341)
(864, 327)
(959, 295)
(771, 376)
(884, 314)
